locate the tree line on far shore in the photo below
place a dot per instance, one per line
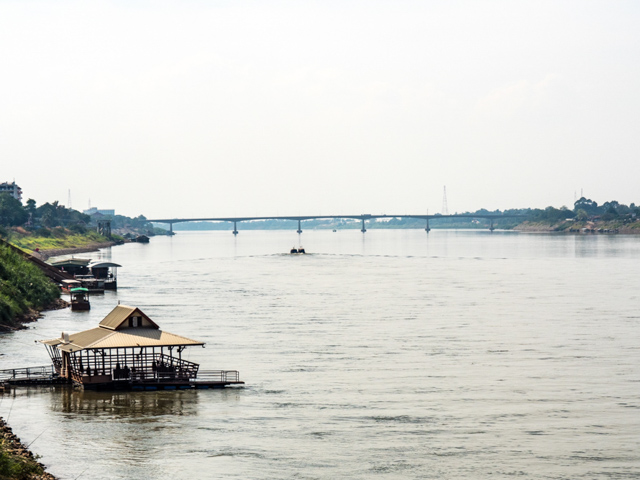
(41, 221)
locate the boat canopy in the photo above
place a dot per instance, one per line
(79, 290)
(103, 265)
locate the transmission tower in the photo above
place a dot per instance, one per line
(69, 200)
(445, 207)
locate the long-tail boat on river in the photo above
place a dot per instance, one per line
(129, 351)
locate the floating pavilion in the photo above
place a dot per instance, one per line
(129, 351)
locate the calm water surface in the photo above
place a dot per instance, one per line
(389, 355)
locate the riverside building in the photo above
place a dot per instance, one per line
(12, 189)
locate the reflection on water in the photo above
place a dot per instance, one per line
(148, 406)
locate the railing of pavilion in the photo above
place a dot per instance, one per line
(124, 364)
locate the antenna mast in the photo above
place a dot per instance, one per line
(445, 207)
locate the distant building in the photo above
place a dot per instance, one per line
(12, 189)
(106, 213)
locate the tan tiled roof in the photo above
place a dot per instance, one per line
(107, 335)
(132, 337)
(121, 313)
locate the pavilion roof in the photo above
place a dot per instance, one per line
(119, 315)
(113, 333)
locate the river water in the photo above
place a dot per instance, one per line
(389, 355)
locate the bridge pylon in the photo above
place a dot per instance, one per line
(427, 228)
(235, 230)
(299, 228)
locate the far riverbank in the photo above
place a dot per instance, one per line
(581, 227)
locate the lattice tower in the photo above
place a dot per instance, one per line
(445, 207)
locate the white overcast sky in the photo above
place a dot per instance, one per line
(218, 108)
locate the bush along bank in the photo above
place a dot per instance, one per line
(24, 290)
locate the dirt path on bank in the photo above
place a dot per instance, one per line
(56, 252)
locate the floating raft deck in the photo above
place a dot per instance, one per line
(129, 351)
(47, 376)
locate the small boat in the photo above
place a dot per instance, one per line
(80, 299)
(297, 251)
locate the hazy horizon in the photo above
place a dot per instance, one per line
(200, 109)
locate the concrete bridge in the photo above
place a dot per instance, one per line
(362, 217)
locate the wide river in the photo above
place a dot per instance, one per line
(390, 355)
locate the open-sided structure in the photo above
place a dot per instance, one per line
(128, 350)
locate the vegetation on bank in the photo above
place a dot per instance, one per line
(53, 226)
(17, 467)
(23, 289)
(586, 216)
(56, 238)
(16, 461)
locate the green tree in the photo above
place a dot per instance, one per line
(587, 205)
(11, 212)
(582, 215)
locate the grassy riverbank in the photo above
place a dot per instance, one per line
(57, 238)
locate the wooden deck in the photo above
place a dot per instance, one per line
(46, 376)
(42, 375)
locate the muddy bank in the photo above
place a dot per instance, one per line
(32, 315)
(56, 252)
(576, 228)
(18, 461)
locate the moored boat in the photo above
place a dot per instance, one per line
(107, 272)
(79, 299)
